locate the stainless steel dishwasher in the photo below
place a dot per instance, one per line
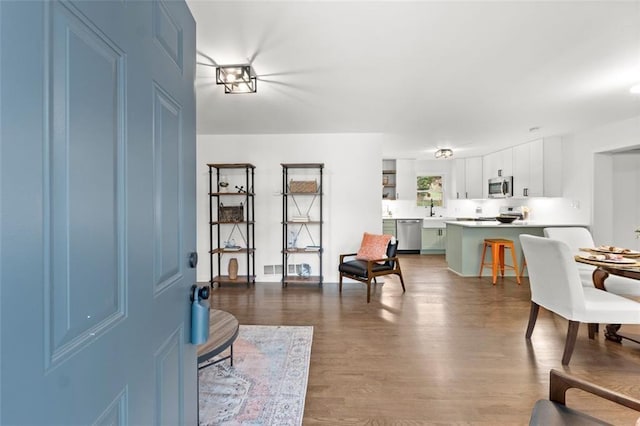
(409, 235)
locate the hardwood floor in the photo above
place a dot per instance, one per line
(450, 350)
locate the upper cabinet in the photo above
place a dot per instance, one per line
(552, 166)
(468, 178)
(498, 163)
(406, 183)
(537, 168)
(527, 163)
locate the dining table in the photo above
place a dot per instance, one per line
(600, 275)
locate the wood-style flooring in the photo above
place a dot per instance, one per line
(450, 350)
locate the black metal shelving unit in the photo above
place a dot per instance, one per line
(302, 222)
(243, 226)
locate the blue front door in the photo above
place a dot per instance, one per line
(97, 178)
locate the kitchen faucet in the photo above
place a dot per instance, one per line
(431, 213)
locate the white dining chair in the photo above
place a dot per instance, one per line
(556, 286)
(577, 238)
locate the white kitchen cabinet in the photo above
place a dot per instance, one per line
(406, 183)
(469, 179)
(537, 168)
(474, 182)
(434, 240)
(528, 170)
(489, 170)
(459, 187)
(505, 167)
(552, 166)
(522, 167)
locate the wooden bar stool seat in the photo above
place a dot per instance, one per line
(497, 246)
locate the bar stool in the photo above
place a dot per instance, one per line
(497, 257)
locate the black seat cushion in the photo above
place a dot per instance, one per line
(358, 268)
(549, 413)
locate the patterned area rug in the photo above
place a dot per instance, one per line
(267, 383)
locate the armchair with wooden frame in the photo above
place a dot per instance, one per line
(366, 271)
(554, 411)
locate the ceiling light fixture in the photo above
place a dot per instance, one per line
(236, 79)
(444, 153)
(635, 89)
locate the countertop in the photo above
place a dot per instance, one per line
(441, 222)
(437, 218)
(514, 224)
(402, 218)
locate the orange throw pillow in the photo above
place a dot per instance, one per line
(373, 246)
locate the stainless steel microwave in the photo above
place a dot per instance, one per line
(501, 187)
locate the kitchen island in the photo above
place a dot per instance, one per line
(465, 240)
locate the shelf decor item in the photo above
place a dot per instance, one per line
(231, 213)
(305, 270)
(223, 184)
(304, 186)
(233, 268)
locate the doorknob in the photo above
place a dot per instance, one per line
(193, 259)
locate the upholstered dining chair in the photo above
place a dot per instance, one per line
(366, 268)
(556, 286)
(577, 238)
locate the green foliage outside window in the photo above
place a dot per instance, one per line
(430, 188)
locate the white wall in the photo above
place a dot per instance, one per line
(352, 176)
(589, 178)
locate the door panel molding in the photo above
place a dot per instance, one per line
(168, 193)
(169, 394)
(116, 412)
(82, 202)
(168, 33)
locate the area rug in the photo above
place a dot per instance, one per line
(267, 383)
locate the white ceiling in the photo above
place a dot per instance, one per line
(473, 76)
